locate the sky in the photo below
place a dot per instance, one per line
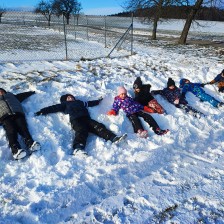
(99, 7)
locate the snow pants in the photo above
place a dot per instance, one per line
(14, 125)
(206, 97)
(84, 125)
(136, 123)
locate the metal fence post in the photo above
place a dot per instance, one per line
(66, 48)
(87, 30)
(105, 33)
(132, 36)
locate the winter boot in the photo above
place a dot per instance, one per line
(34, 147)
(18, 153)
(78, 148)
(118, 139)
(161, 132)
(142, 133)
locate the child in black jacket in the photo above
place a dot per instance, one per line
(144, 97)
(12, 118)
(80, 120)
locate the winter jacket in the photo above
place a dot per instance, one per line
(128, 105)
(195, 88)
(144, 96)
(10, 104)
(171, 95)
(75, 109)
(219, 79)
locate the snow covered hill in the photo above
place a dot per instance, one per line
(175, 178)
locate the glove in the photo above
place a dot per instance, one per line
(38, 113)
(100, 99)
(203, 84)
(111, 112)
(148, 109)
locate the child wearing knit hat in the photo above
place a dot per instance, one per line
(133, 111)
(81, 121)
(144, 97)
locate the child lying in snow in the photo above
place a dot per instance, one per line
(133, 111)
(196, 89)
(219, 79)
(173, 94)
(13, 120)
(81, 121)
(144, 97)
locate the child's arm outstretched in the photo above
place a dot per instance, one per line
(51, 109)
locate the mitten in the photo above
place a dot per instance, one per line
(203, 84)
(111, 112)
(148, 109)
(38, 113)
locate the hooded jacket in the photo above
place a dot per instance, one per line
(10, 104)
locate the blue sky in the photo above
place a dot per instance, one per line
(97, 7)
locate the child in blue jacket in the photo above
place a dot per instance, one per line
(196, 89)
(173, 94)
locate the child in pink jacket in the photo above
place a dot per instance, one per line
(133, 111)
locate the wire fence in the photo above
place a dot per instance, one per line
(30, 36)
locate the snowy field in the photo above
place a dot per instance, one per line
(177, 178)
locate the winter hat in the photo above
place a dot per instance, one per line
(137, 83)
(121, 90)
(64, 97)
(170, 82)
(1, 89)
(182, 82)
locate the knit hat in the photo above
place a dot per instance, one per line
(121, 90)
(137, 83)
(64, 97)
(170, 82)
(1, 89)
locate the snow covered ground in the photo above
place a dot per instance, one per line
(176, 178)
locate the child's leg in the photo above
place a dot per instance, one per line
(150, 120)
(11, 134)
(22, 128)
(210, 99)
(136, 123)
(100, 130)
(81, 131)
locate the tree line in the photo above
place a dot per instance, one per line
(179, 12)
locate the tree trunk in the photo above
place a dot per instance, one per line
(188, 22)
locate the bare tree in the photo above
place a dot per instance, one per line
(157, 5)
(46, 9)
(2, 12)
(195, 9)
(66, 8)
